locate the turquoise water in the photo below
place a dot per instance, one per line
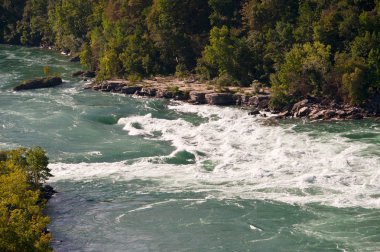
(152, 175)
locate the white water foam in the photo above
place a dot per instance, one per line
(250, 160)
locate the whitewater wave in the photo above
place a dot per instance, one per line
(237, 156)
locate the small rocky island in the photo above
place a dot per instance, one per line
(46, 82)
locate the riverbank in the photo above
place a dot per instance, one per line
(254, 99)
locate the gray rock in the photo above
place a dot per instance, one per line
(220, 99)
(300, 104)
(254, 112)
(304, 111)
(75, 59)
(356, 116)
(39, 83)
(197, 97)
(147, 92)
(130, 90)
(259, 101)
(283, 114)
(329, 114)
(317, 114)
(89, 74)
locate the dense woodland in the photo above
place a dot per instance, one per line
(306, 47)
(22, 223)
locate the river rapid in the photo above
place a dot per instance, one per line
(139, 174)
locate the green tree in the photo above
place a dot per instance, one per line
(37, 166)
(22, 223)
(305, 71)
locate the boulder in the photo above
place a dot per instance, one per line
(78, 73)
(39, 83)
(304, 111)
(356, 116)
(47, 192)
(130, 90)
(300, 104)
(259, 101)
(197, 97)
(316, 115)
(223, 99)
(284, 114)
(75, 59)
(341, 113)
(329, 114)
(115, 87)
(163, 93)
(89, 74)
(254, 112)
(147, 92)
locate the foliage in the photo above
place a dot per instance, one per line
(241, 40)
(22, 223)
(304, 71)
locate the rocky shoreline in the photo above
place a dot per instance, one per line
(255, 100)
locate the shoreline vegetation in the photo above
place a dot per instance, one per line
(319, 51)
(23, 225)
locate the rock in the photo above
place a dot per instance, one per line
(47, 192)
(89, 74)
(164, 94)
(283, 114)
(147, 92)
(220, 99)
(328, 114)
(300, 104)
(304, 111)
(373, 105)
(182, 95)
(254, 112)
(317, 114)
(245, 99)
(356, 116)
(115, 87)
(39, 83)
(130, 90)
(197, 97)
(341, 114)
(75, 59)
(259, 101)
(78, 73)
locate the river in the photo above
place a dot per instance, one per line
(139, 174)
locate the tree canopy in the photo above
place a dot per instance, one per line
(22, 223)
(329, 48)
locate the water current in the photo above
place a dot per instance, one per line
(139, 174)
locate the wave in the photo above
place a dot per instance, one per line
(237, 155)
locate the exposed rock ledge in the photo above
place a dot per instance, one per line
(250, 98)
(39, 83)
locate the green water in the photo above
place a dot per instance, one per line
(152, 175)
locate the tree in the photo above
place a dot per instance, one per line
(22, 223)
(37, 166)
(304, 72)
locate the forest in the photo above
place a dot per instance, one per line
(326, 48)
(22, 222)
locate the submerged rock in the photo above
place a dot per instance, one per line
(39, 83)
